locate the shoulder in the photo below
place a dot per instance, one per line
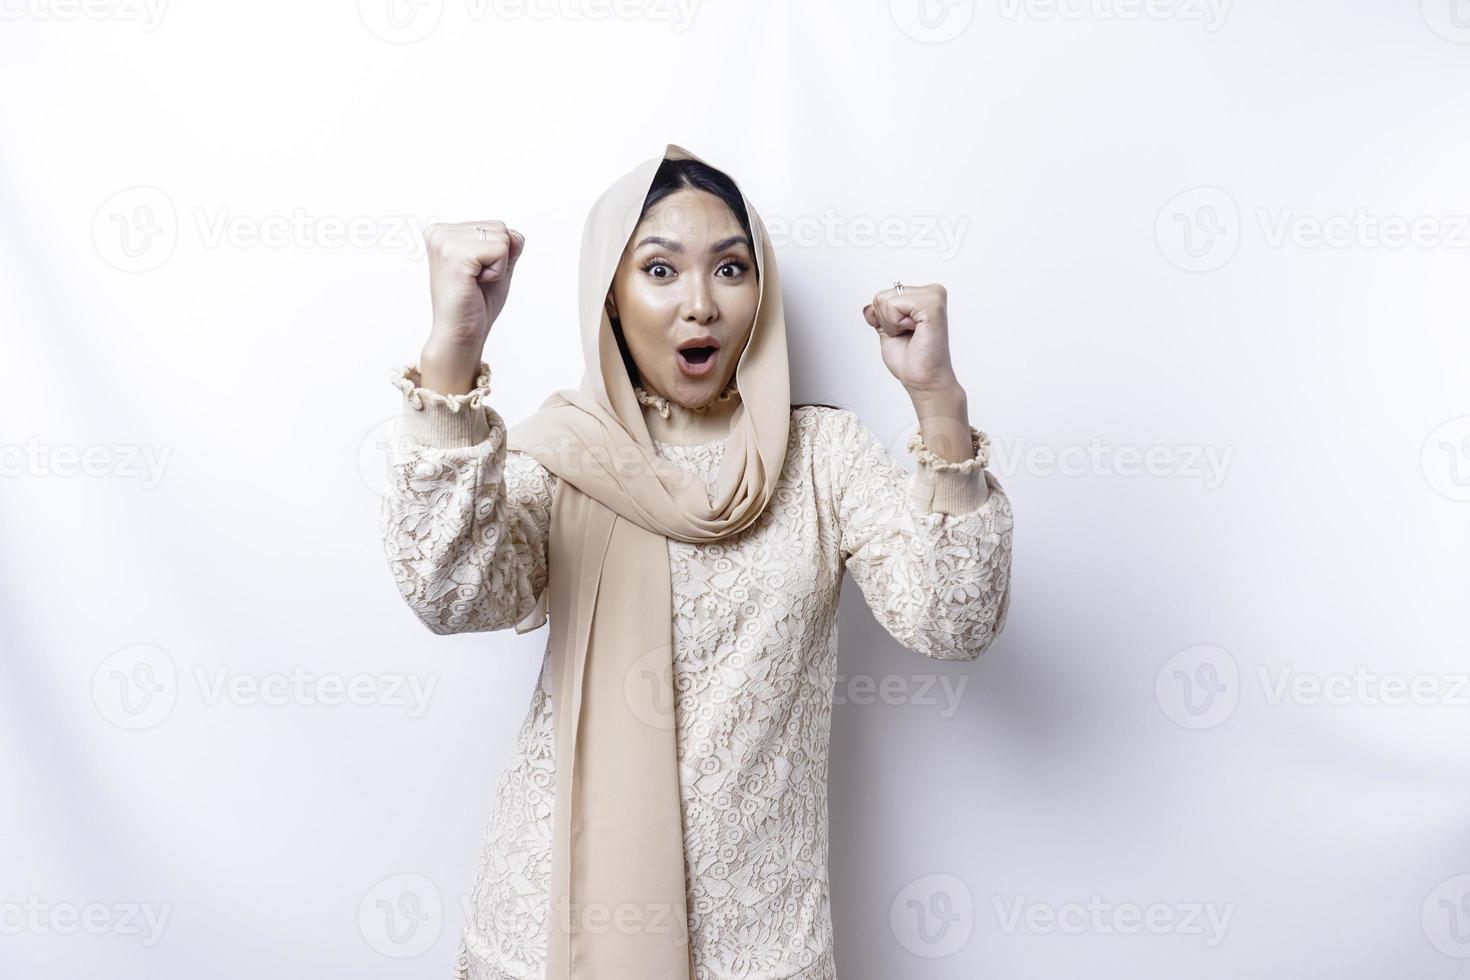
(812, 424)
(829, 424)
(814, 414)
(836, 437)
(842, 455)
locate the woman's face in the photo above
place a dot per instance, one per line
(687, 278)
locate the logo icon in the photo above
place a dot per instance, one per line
(1446, 917)
(400, 21)
(1450, 19)
(1199, 230)
(136, 687)
(932, 21)
(933, 916)
(136, 229)
(1198, 687)
(1445, 459)
(374, 456)
(401, 916)
(648, 687)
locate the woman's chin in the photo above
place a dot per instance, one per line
(695, 393)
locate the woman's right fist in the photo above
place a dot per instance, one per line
(470, 267)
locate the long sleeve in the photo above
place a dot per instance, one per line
(931, 551)
(465, 521)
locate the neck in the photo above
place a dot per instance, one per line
(688, 426)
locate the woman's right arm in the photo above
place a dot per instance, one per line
(465, 522)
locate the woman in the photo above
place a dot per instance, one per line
(685, 528)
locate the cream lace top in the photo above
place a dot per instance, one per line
(465, 525)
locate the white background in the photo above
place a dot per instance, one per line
(170, 181)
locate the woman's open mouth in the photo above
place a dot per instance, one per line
(698, 358)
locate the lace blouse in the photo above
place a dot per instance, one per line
(465, 524)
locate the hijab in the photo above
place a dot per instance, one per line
(618, 881)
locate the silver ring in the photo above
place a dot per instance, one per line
(898, 286)
(482, 232)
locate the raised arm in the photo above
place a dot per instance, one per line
(930, 551)
(465, 521)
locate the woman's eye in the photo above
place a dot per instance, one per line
(736, 265)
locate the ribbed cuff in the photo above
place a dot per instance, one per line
(443, 421)
(942, 486)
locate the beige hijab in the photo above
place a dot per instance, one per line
(617, 866)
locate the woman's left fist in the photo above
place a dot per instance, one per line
(913, 330)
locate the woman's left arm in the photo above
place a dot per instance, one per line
(932, 551)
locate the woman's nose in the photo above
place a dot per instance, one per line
(699, 304)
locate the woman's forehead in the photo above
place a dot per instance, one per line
(688, 215)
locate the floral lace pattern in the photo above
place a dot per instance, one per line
(754, 616)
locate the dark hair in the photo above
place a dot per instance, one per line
(676, 175)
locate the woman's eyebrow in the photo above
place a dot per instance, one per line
(674, 246)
